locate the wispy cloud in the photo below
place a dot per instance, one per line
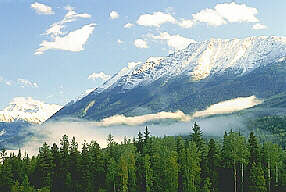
(128, 25)
(101, 75)
(73, 41)
(137, 120)
(42, 8)
(27, 83)
(259, 26)
(225, 107)
(229, 106)
(70, 41)
(5, 81)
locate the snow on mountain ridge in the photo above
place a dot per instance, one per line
(28, 109)
(203, 59)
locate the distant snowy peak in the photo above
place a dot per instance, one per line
(203, 59)
(29, 110)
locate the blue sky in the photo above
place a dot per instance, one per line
(92, 40)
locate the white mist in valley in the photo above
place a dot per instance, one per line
(224, 107)
(160, 124)
(229, 106)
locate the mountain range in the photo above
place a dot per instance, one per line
(28, 110)
(189, 80)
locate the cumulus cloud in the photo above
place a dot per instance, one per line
(101, 75)
(186, 23)
(227, 12)
(229, 106)
(237, 12)
(140, 43)
(27, 83)
(128, 25)
(174, 41)
(209, 16)
(42, 8)
(114, 15)
(259, 26)
(156, 19)
(73, 41)
(69, 41)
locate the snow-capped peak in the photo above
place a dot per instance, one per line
(28, 109)
(203, 59)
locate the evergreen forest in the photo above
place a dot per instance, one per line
(193, 163)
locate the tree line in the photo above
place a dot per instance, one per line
(234, 163)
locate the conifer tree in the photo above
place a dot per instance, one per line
(213, 165)
(74, 164)
(85, 177)
(256, 179)
(44, 166)
(58, 178)
(148, 174)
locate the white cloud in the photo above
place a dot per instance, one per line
(221, 14)
(72, 15)
(229, 106)
(42, 8)
(174, 41)
(100, 75)
(119, 41)
(69, 41)
(156, 19)
(137, 120)
(227, 12)
(259, 26)
(237, 12)
(186, 23)
(209, 16)
(55, 30)
(140, 43)
(73, 41)
(128, 25)
(114, 15)
(26, 83)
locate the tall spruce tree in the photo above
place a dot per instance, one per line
(213, 165)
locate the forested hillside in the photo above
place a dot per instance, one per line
(150, 164)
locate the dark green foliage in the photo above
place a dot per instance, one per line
(256, 179)
(150, 164)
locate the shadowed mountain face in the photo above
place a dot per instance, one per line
(179, 93)
(191, 79)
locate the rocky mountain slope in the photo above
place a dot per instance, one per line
(191, 79)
